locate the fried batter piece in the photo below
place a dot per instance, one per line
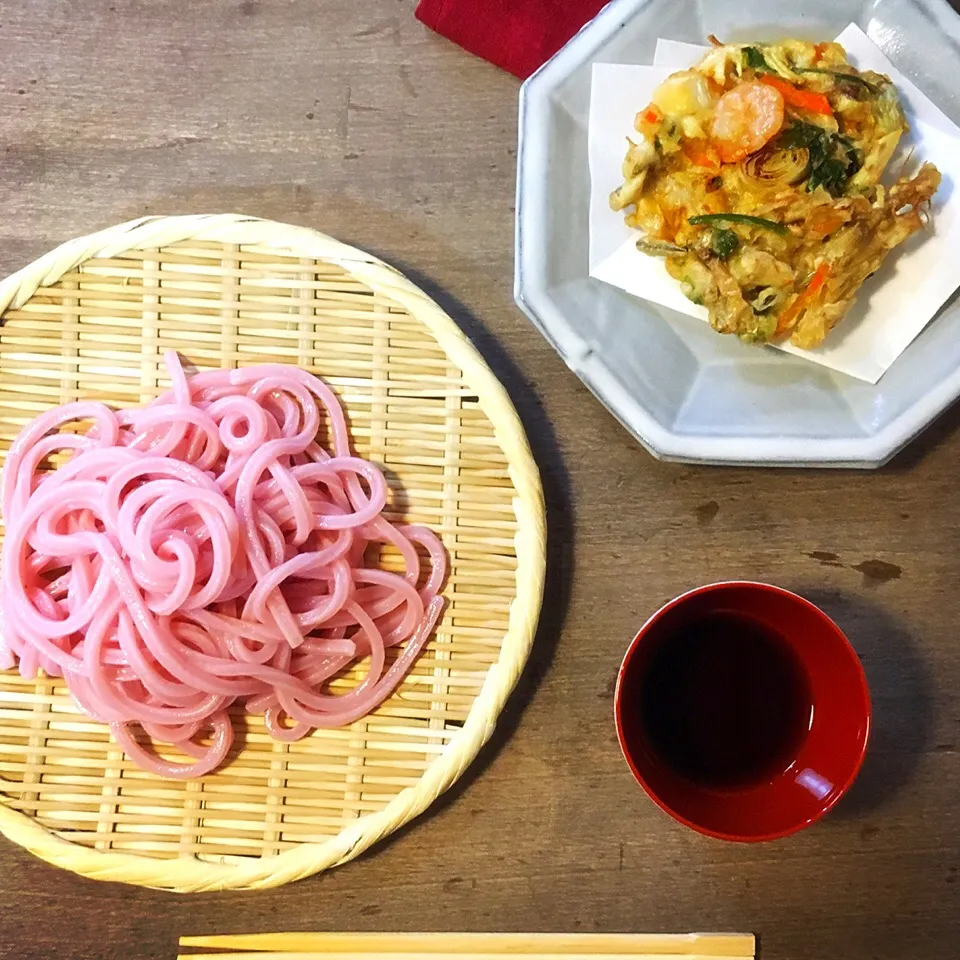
(756, 176)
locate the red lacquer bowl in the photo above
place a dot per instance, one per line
(823, 763)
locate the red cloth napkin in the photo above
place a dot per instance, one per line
(518, 35)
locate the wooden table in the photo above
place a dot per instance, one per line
(348, 116)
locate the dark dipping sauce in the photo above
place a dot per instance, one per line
(725, 701)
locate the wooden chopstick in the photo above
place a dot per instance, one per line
(298, 955)
(473, 946)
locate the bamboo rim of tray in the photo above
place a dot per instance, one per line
(94, 315)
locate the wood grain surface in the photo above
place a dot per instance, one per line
(350, 117)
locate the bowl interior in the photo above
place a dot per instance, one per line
(821, 764)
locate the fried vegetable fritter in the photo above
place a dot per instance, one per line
(756, 175)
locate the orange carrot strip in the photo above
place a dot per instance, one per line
(789, 315)
(795, 97)
(701, 154)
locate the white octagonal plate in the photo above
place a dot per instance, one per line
(685, 392)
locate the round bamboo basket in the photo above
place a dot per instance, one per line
(92, 319)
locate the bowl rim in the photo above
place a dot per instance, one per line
(863, 689)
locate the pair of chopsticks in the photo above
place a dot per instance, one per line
(470, 946)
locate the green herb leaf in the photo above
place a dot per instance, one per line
(754, 59)
(854, 157)
(833, 157)
(744, 218)
(724, 243)
(803, 134)
(831, 174)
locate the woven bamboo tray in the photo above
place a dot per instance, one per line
(91, 319)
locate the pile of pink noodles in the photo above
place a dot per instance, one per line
(202, 550)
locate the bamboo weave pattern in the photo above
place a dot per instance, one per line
(91, 321)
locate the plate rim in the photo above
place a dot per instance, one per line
(530, 295)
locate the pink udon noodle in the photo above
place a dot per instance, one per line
(203, 550)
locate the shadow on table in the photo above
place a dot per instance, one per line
(560, 520)
(901, 694)
(926, 442)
